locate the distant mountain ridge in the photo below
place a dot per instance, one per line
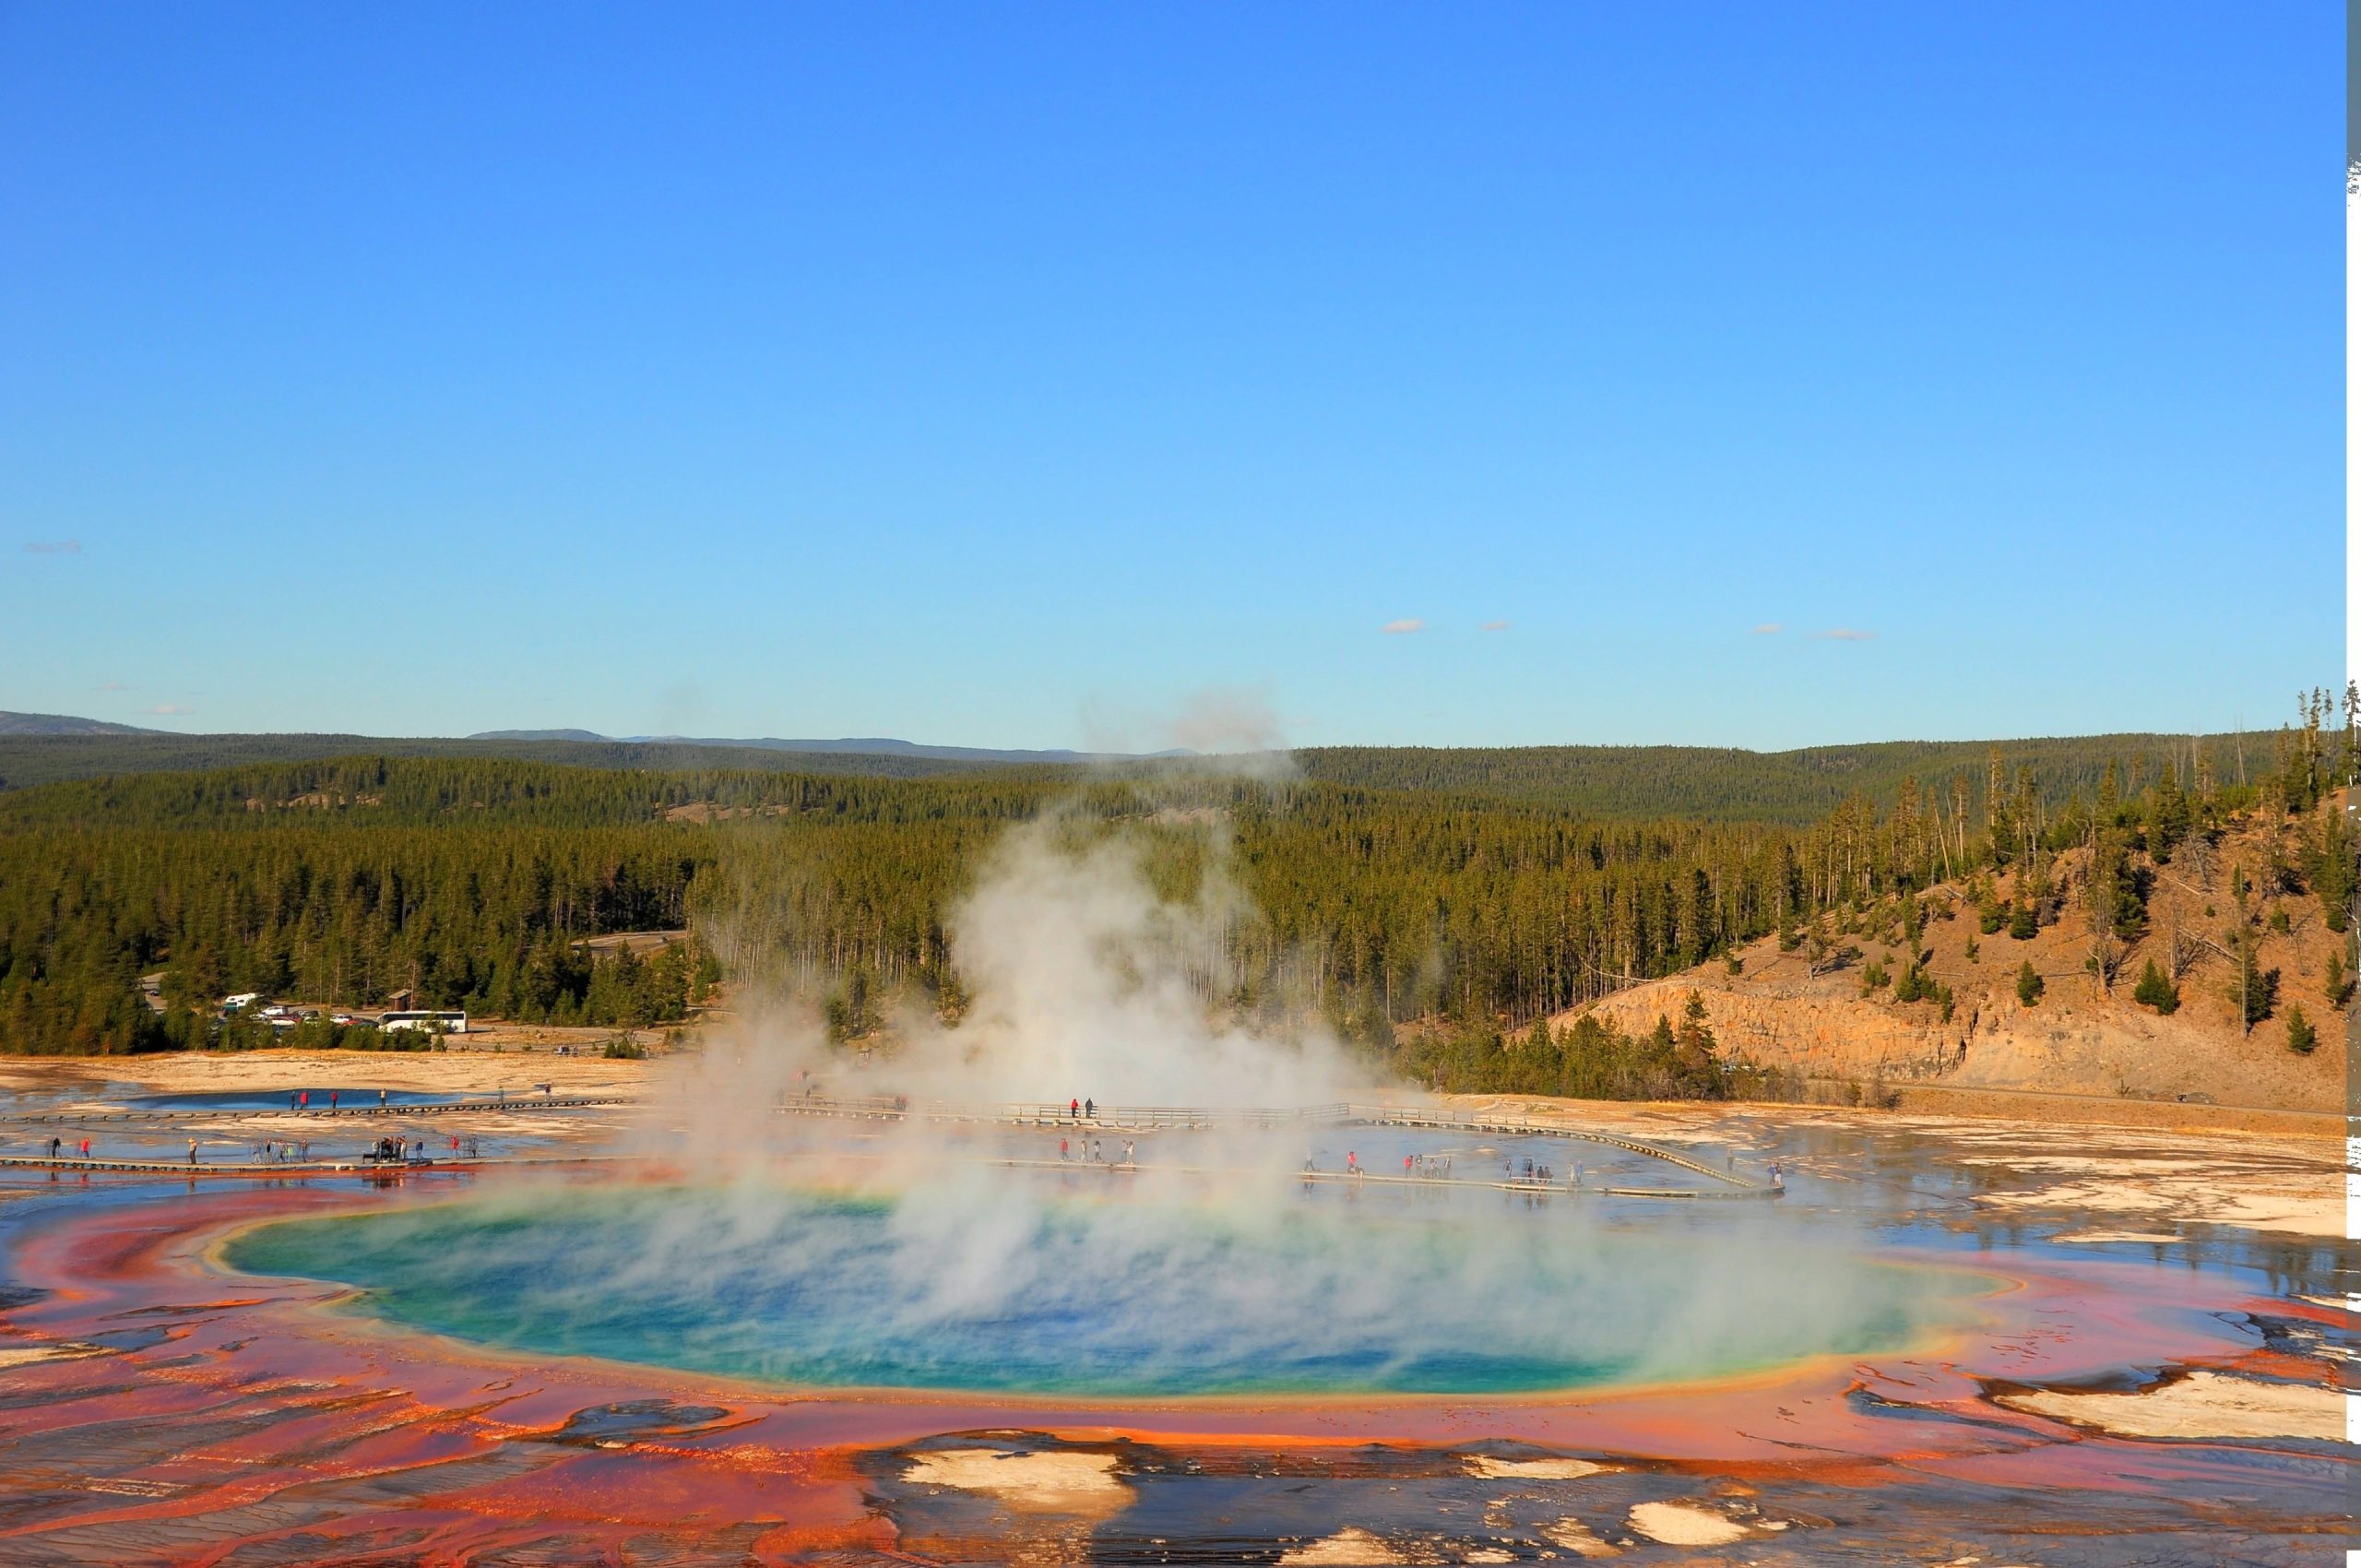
(850, 745)
(589, 735)
(1794, 787)
(26, 760)
(66, 724)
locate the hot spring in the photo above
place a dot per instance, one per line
(995, 1284)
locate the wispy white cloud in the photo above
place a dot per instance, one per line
(166, 709)
(53, 547)
(1496, 625)
(1844, 635)
(1769, 629)
(1401, 628)
(111, 686)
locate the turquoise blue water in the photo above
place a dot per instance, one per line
(1000, 1287)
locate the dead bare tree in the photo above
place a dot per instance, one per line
(2108, 951)
(1824, 956)
(2182, 950)
(2197, 851)
(2106, 956)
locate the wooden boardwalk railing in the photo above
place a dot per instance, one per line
(442, 1108)
(381, 1171)
(1133, 1119)
(1165, 1118)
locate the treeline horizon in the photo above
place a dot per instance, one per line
(470, 882)
(1794, 786)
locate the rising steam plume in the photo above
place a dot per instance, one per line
(1043, 1256)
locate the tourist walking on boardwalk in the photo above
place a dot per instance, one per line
(380, 1099)
(54, 1144)
(1352, 1163)
(1127, 1147)
(1073, 1111)
(1090, 1111)
(86, 1148)
(334, 1095)
(1062, 1149)
(306, 1101)
(1406, 1164)
(192, 1151)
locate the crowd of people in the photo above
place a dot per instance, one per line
(298, 1151)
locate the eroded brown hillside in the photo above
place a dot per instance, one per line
(1806, 1007)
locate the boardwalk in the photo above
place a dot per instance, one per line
(389, 1170)
(1121, 1119)
(350, 1166)
(416, 1108)
(1728, 1181)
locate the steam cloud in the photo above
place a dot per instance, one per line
(940, 1252)
(1223, 720)
(1085, 984)
(1228, 730)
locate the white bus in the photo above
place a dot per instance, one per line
(449, 1023)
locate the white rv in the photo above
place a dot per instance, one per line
(449, 1023)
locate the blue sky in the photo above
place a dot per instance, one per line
(1006, 375)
